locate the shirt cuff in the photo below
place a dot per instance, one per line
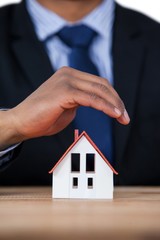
(9, 149)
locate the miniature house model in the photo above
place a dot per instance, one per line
(83, 172)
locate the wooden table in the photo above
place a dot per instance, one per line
(31, 213)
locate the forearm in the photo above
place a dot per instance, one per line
(8, 132)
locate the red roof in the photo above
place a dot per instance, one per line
(92, 143)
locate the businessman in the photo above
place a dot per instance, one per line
(125, 50)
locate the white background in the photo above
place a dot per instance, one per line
(149, 7)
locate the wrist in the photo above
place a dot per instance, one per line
(9, 134)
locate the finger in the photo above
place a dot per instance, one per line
(83, 76)
(81, 98)
(92, 78)
(103, 85)
(124, 118)
(102, 91)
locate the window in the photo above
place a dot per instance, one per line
(75, 182)
(90, 162)
(90, 182)
(75, 162)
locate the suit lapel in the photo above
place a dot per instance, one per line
(28, 51)
(128, 56)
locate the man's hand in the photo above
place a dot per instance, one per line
(53, 106)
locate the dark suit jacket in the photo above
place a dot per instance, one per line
(24, 65)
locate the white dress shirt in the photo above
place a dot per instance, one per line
(101, 19)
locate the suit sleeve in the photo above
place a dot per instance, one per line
(9, 156)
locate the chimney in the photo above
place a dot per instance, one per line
(76, 134)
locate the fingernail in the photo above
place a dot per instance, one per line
(126, 116)
(117, 111)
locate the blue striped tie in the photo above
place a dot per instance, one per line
(95, 123)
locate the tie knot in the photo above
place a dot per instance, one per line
(77, 36)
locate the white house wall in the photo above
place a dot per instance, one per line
(61, 175)
(102, 179)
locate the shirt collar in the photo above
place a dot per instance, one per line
(47, 23)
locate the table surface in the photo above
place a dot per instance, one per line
(31, 213)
